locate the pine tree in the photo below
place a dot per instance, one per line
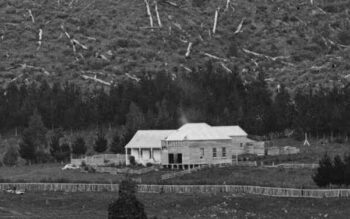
(55, 148)
(118, 143)
(79, 148)
(100, 143)
(126, 206)
(347, 169)
(135, 118)
(323, 175)
(338, 171)
(27, 148)
(33, 138)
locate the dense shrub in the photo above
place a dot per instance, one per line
(100, 143)
(323, 173)
(126, 206)
(132, 160)
(79, 148)
(333, 173)
(11, 156)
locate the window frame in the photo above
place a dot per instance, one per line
(215, 153)
(223, 152)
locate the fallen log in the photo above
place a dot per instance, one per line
(239, 27)
(24, 66)
(214, 57)
(225, 67)
(132, 77)
(265, 56)
(188, 49)
(96, 80)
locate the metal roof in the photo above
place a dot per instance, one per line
(232, 131)
(148, 138)
(197, 131)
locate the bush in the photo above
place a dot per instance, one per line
(42, 157)
(132, 161)
(79, 147)
(11, 156)
(337, 175)
(100, 143)
(149, 164)
(126, 206)
(323, 173)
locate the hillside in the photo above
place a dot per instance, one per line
(295, 42)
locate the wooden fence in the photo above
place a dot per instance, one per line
(295, 165)
(179, 173)
(255, 190)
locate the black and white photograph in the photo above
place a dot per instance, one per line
(175, 109)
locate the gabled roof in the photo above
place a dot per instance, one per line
(148, 138)
(197, 131)
(231, 131)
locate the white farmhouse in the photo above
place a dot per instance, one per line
(191, 145)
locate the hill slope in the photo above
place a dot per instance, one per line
(293, 42)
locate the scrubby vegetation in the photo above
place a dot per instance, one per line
(296, 43)
(333, 172)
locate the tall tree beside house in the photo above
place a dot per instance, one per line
(33, 138)
(118, 143)
(126, 206)
(283, 110)
(100, 142)
(55, 143)
(135, 118)
(79, 148)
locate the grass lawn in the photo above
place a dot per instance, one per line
(53, 173)
(277, 177)
(310, 154)
(94, 205)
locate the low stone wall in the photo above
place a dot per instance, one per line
(255, 190)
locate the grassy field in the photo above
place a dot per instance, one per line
(52, 173)
(94, 205)
(294, 178)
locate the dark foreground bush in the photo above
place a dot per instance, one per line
(126, 206)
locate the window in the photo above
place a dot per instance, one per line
(223, 152)
(202, 152)
(241, 145)
(214, 152)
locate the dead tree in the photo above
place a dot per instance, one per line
(157, 14)
(149, 13)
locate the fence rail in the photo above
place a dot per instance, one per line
(142, 188)
(180, 173)
(295, 165)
